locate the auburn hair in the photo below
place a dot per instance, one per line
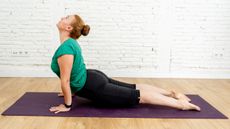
(79, 28)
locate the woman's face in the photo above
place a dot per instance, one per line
(65, 23)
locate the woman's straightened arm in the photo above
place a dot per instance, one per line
(65, 63)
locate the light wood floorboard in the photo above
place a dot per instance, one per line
(214, 91)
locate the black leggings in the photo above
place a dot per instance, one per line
(108, 92)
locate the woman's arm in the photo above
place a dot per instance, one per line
(65, 63)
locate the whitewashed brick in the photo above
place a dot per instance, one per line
(169, 38)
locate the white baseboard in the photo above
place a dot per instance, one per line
(119, 73)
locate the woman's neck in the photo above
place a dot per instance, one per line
(63, 37)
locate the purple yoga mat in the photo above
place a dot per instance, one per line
(38, 104)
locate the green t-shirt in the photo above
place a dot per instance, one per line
(78, 73)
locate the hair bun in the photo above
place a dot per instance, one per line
(85, 30)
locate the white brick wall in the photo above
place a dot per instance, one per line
(201, 35)
(135, 38)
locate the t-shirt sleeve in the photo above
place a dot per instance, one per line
(65, 49)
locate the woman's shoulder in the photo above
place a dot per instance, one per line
(69, 43)
(71, 40)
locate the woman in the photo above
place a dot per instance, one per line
(68, 64)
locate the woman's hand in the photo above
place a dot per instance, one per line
(60, 108)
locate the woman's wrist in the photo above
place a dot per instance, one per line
(68, 106)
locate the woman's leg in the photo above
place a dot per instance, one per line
(155, 98)
(116, 95)
(162, 91)
(171, 93)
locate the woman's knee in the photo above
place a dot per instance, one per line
(141, 86)
(143, 96)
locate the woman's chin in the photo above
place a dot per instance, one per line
(57, 26)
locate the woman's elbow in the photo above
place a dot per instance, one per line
(65, 81)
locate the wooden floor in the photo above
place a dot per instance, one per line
(216, 92)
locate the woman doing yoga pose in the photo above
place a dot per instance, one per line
(75, 79)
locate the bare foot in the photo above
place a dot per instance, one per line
(185, 105)
(180, 96)
(62, 95)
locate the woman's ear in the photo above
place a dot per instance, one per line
(69, 28)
